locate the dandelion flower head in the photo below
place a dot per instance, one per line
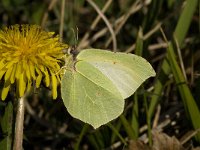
(29, 55)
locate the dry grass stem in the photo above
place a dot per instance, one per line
(45, 16)
(93, 25)
(133, 9)
(62, 20)
(106, 22)
(146, 36)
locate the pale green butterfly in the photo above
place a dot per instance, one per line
(96, 82)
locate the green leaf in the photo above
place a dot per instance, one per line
(94, 87)
(6, 127)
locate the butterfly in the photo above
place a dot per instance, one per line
(94, 87)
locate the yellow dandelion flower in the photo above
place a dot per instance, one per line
(29, 54)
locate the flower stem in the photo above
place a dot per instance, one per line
(19, 124)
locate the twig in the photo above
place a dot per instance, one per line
(152, 31)
(50, 7)
(156, 46)
(146, 36)
(134, 8)
(38, 119)
(188, 136)
(102, 32)
(156, 118)
(106, 22)
(19, 124)
(99, 34)
(62, 20)
(93, 25)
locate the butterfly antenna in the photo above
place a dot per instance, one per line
(76, 36)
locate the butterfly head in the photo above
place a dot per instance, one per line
(71, 51)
